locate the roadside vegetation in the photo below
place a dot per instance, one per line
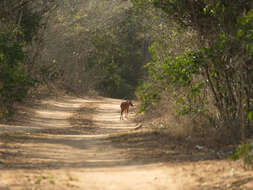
(21, 25)
(209, 80)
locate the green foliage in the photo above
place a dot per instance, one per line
(118, 58)
(105, 44)
(11, 50)
(250, 115)
(216, 73)
(18, 28)
(171, 74)
(30, 23)
(202, 14)
(15, 82)
(148, 94)
(182, 68)
(244, 152)
(13, 77)
(113, 84)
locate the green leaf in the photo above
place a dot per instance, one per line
(250, 115)
(240, 33)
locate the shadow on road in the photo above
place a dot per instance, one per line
(61, 151)
(88, 134)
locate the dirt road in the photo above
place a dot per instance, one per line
(80, 143)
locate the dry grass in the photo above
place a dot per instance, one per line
(198, 130)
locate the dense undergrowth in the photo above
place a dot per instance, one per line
(213, 79)
(20, 25)
(207, 81)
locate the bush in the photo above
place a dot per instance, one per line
(244, 152)
(13, 77)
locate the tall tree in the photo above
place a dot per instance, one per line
(220, 66)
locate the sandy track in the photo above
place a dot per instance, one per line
(54, 150)
(66, 144)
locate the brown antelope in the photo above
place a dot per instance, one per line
(125, 107)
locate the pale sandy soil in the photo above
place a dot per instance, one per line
(80, 143)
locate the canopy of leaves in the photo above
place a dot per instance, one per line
(19, 24)
(219, 65)
(104, 45)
